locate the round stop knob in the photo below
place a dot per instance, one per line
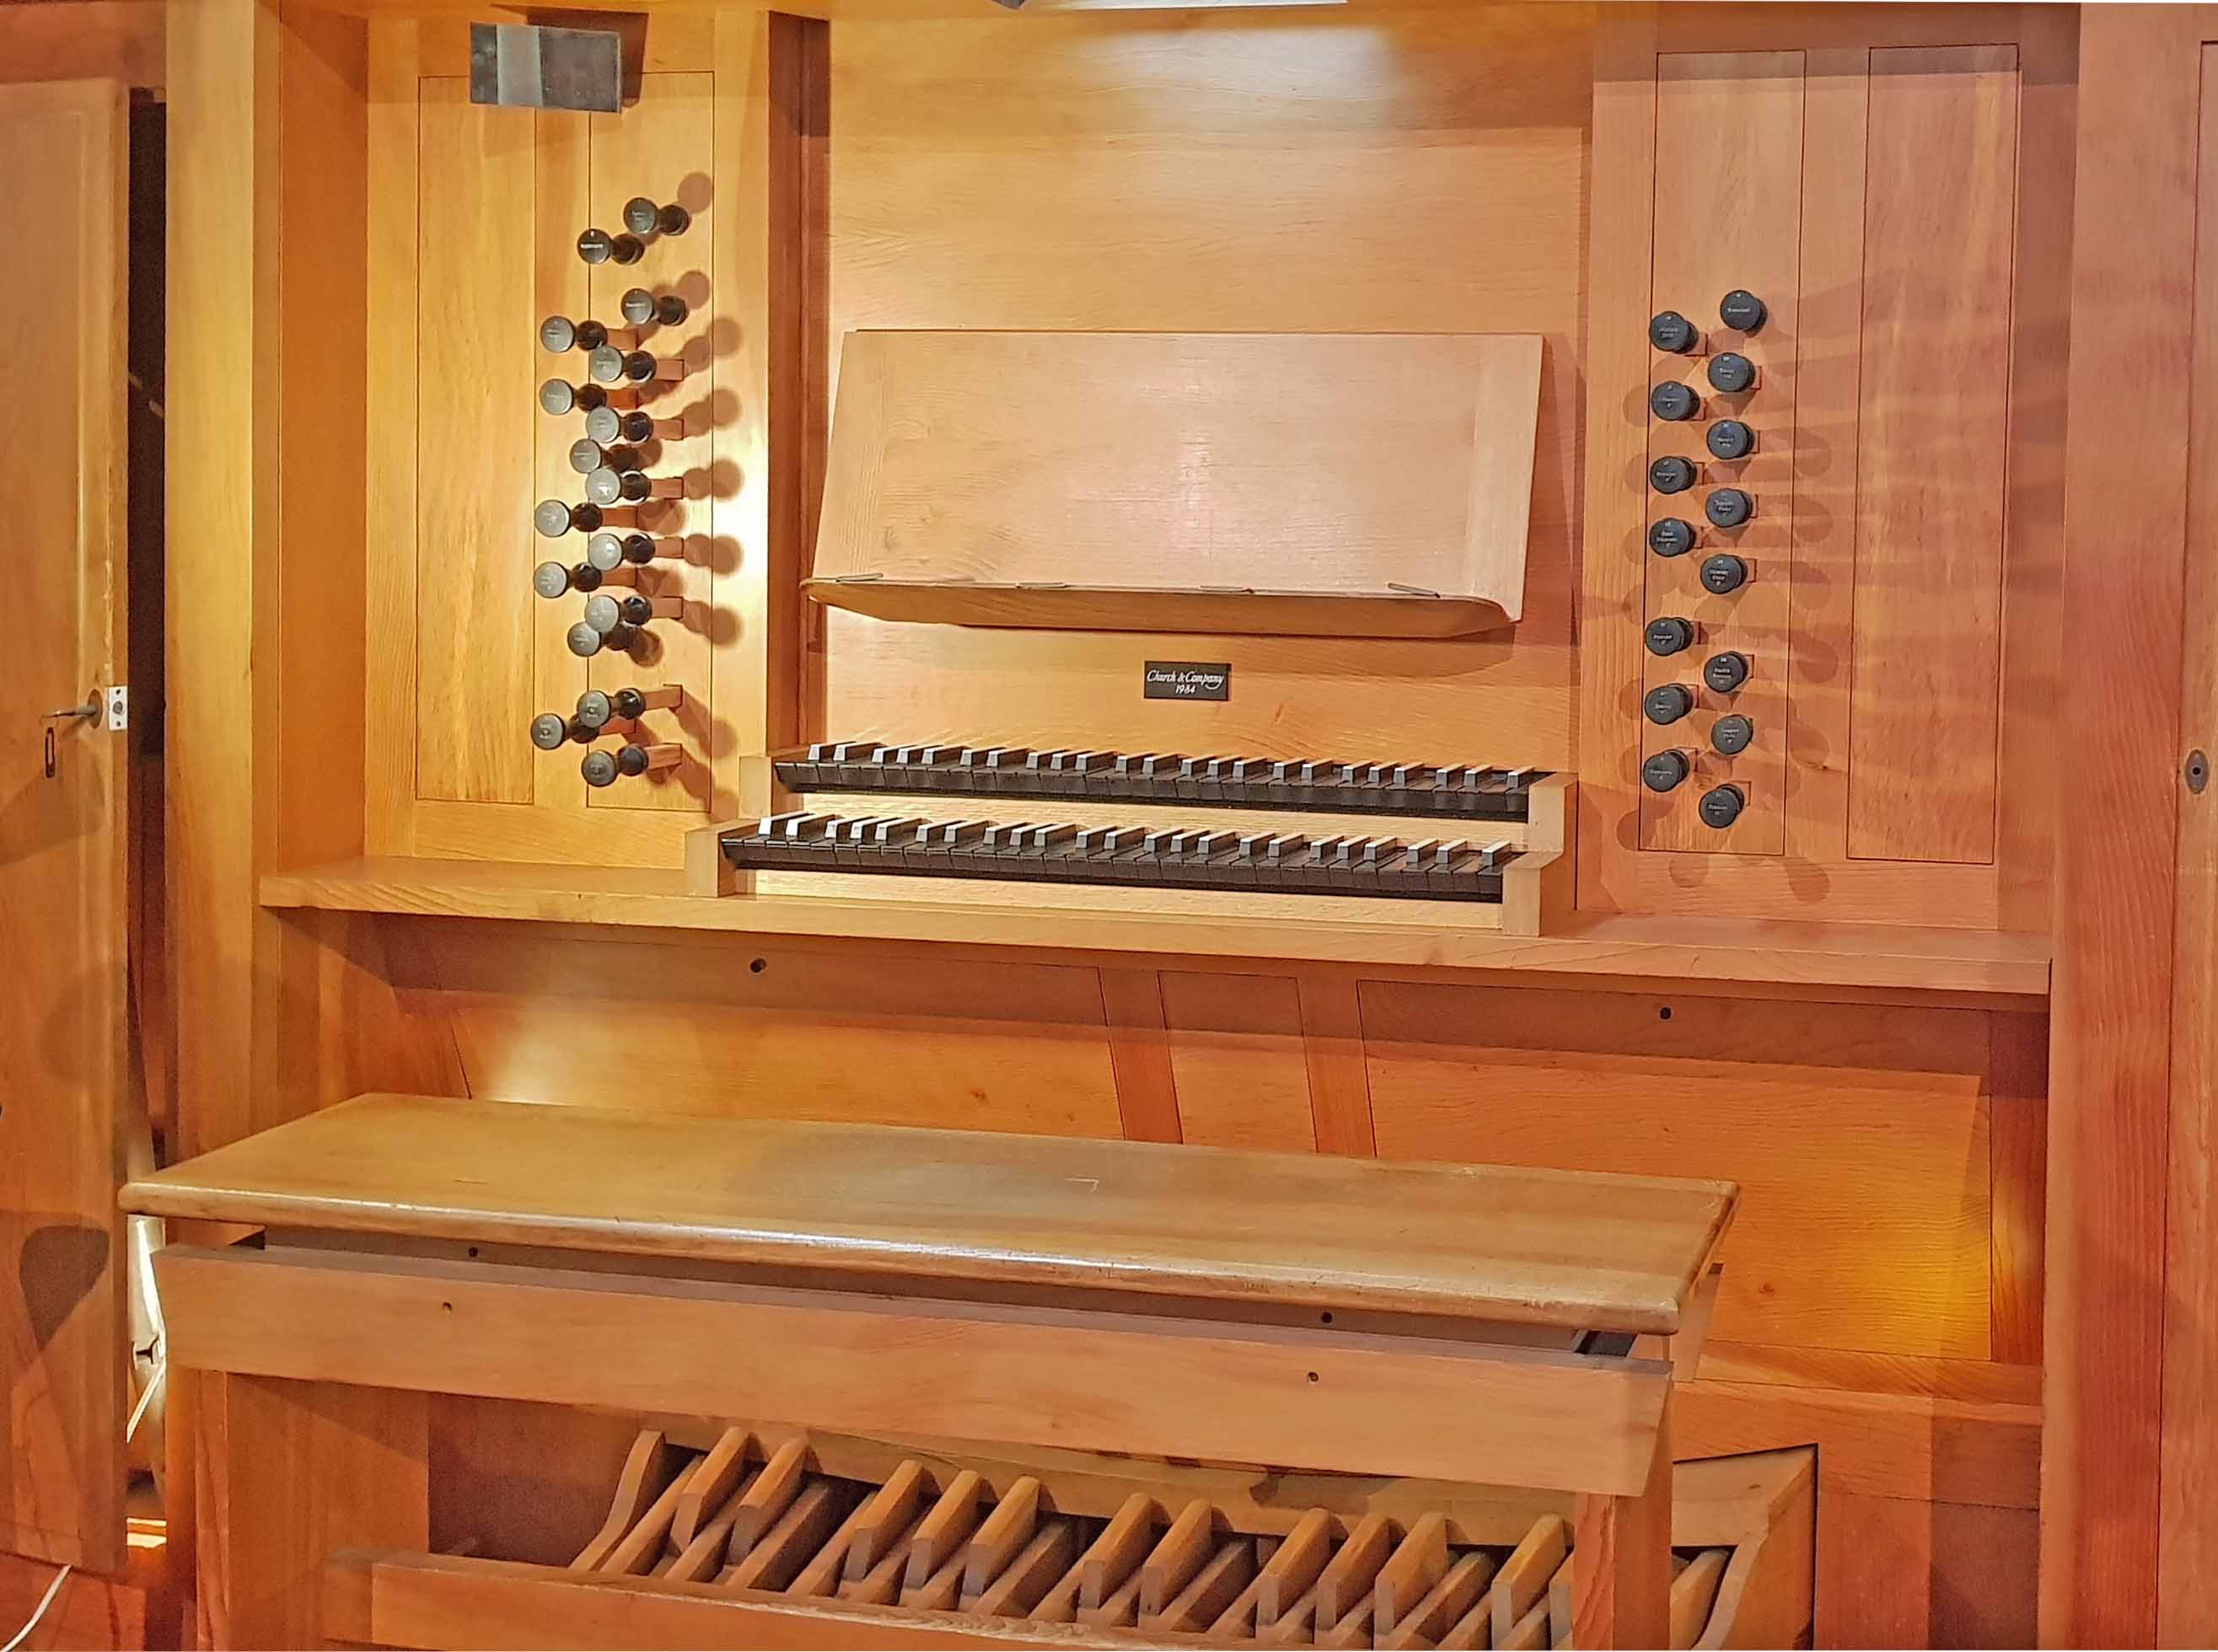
(1670, 331)
(549, 732)
(1669, 635)
(1666, 703)
(1665, 770)
(1726, 672)
(1721, 806)
(1671, 474)
(1673, 402)
(1731, 373)
(1728, 507)
(1671, 536)
(1731, 735)
(1729, 438)
(1722, 573)
(599, 768)
(1743, 311)
(557, 334)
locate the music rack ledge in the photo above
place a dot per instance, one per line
(1761, 958)
(1298, 485)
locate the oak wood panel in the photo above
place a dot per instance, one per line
(272, 1453)
(1338, 464)
(1235, 1048)
(1888, 1445)
(122, 41)
(1727, 211)
(1816, 876)
(2017, 1149)
(477, 360)
(1114, 1382)
(65, 891)
(1332, 1046)
(1695, 957)
(320, 629)
(1223, 173)
(809, 1034)
(137, 1607)
(1551, 1248)
(1940, 195)
(662, 146)
(1859, 1136)
(2125, 519)
(1899, 1572)
(2187, 1592)
(1140, 1055)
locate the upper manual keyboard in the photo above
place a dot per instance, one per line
(1466, 792)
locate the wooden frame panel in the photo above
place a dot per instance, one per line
(1817, 877)
(1113, 1382)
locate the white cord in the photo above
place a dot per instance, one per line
(39, 1611)
(153, 1386)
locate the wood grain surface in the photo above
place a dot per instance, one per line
(1532, 1248)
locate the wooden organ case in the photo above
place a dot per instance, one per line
(1430, 582)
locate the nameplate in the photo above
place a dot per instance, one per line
(1182, 679)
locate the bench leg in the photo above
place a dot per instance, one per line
(1622, 1561)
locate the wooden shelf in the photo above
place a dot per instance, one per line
(1762, 959)
(1127, 608)
(1274, 484)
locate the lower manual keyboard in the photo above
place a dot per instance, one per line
(1437, 869)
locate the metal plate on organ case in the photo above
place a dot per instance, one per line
(522, 66)
(1182, 679)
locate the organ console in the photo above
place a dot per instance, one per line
(1572, 698)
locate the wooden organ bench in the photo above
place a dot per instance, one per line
(997, 1388)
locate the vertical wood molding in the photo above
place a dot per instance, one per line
(222, 712)
(1340, 1077)
(2187, 1553)
(1140, 1055)
(2125, 519)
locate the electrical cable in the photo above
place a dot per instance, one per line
(39, 1611)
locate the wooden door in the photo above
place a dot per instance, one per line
(63, 1057)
